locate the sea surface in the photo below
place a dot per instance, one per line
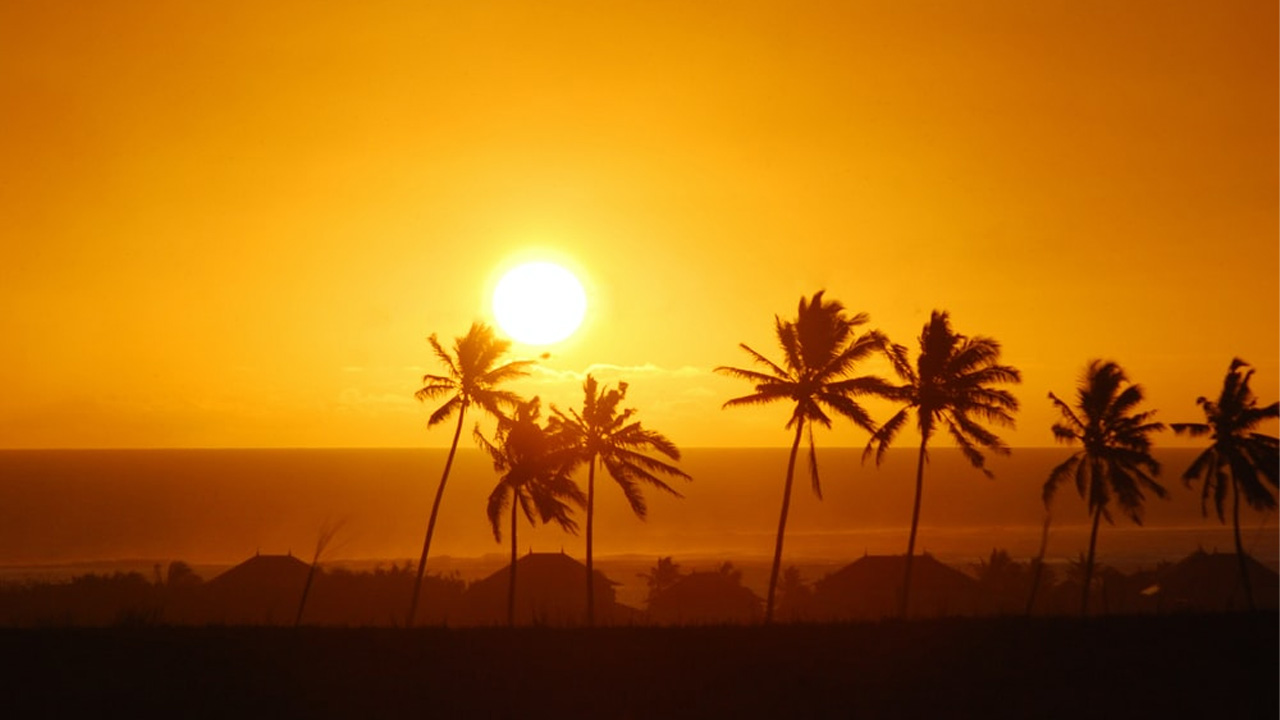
(76, 509)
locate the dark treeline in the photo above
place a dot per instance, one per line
(282, 590)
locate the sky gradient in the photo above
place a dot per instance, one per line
(236, 224)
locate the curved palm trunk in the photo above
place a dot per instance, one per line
(511, 579)
(1240, 554)
(782, 524)
(1035, 577)
(306, 590)
(1088, 563)
(915, 525)
(591, 516)
(431, 523)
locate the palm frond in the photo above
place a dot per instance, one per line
(777, 371)
(851, 410)
(510, 371)
(967, 447)
(496, 508)
(636, 437)
(1077, 426)
(901, 364)
(443, 356)
(648, 463)
(753, 376)
(624, 477)
(1194, 430)
(883, 437)
(764, 397)
(434, 390)
(444, 411)
(495, 402)
(1058, 475)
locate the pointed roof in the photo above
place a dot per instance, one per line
(550, 589)
(869, 588)
(878, 570)
(263, 589)
(264, 571)
(1211, 581)
(706, 597)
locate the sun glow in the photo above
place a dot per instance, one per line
(539, 303)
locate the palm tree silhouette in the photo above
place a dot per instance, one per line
(1239, 457)
(820, 348)
(663, 575)
(1115, 456)
(472, 378)
(1037, 565)
(950, 385)
(603, 434)
(534, 466)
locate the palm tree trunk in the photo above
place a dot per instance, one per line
(511, 579)
(782, 523)
(306, 590)
(1240, 554)
(591, 516)
(915, 525)
(431, 523)
(1088, 563)
(1035, 577)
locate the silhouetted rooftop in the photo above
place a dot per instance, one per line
(1211, 581)
(870, 587)
(265, 571)
(550, 589)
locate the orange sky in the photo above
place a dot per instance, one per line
(235, 223)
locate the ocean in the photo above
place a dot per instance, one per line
(65, 509)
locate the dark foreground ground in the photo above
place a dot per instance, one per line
(1214, 666)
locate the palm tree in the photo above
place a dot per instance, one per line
(1239, 457)
(820, 349)
(472, 379)
(1037, 565)
(662, 576)
(603, 434)
(1115, 456)
(534, 467)
(950, 385)
(327, 530)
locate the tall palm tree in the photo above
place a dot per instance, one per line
(949, 386)
(603, 434)
(472, 376)
(1114, 459)
(534, 467)
(820, 349)
(1239, 457)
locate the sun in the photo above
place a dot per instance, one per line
(539, 303)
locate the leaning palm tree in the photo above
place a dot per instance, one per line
(473, 375)
(603, 434)
(1239, 459)
(820, 349)
(1115, 451)
(327, 530)
(949, 386)
(534, 466)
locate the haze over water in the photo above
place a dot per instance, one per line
(221, 506)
